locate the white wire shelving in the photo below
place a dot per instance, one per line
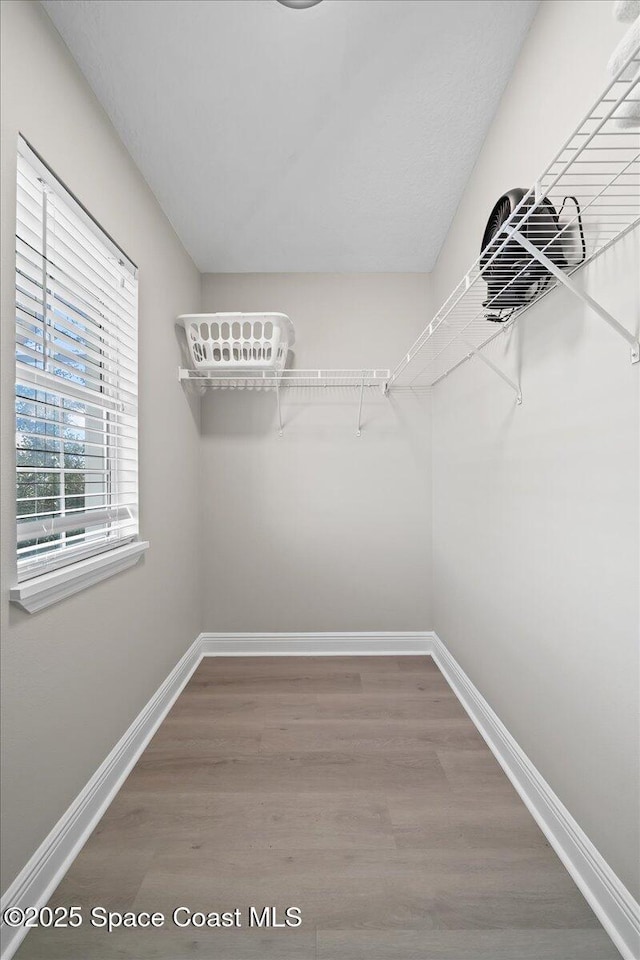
(277, 381)
(534, 252)
(272, 380)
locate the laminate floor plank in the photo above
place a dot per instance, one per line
(300, 772)
(354, 788)
(475, 772)
(166, 944)
(435, 888)
(464, 820)
(238, 709)
(406, 684)
(239, 821)
(295, 667)
(262, 684)
(388, 705)
(370, 736)
(167, 748)
(106, 873)
(383, 944)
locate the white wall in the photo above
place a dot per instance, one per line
(319, 530)
(76, 674)
(536, 508)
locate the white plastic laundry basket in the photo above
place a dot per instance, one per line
(223, 343)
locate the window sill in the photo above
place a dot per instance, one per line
(48, 588)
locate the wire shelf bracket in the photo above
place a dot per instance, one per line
(280, 426)
(570, 285)
(473, 352)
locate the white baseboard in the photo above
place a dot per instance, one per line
(610, 900)
(612, 903)
(38, 879)
(316, 644)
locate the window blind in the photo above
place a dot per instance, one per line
(76, 379)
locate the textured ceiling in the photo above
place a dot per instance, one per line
(337, 138)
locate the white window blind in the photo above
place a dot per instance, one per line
(76, 379)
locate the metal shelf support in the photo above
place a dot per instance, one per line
(280, 427)
(359, 425)
(473, 352)
(570, 285)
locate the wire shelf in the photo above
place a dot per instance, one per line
(270, 379)
(277, 381)
(586, 199)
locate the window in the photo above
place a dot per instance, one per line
(76, 379)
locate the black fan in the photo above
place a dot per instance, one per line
(514, 278)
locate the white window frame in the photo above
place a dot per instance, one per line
(99, 536)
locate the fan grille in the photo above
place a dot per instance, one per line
(500, 214)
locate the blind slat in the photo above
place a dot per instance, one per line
(88, 472)
(115, 443)
(90, 516)
(88, 424)
(104, 261)
(43, 178)
(67, 288)
(39, 452)
(108, 399)
(105, 359)
(45, 527)
(103, 537)
(84, 369)
(103, 350)
(66, 496)
(104, 276)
